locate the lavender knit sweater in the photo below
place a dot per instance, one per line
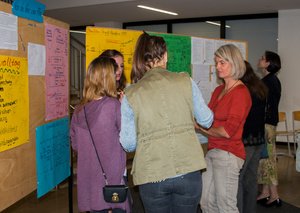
(104, 120)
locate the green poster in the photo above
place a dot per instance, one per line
(179, 52)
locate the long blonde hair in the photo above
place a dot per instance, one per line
(99, 80)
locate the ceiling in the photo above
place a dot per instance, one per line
(89, 12)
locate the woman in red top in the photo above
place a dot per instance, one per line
(230, 103)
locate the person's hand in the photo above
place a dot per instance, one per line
(198, 128)
(120, 95)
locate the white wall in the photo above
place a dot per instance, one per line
(261, 35)
(288, 49)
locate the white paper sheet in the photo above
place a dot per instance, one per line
(209, 51)
(36, 59)
(8, 31)
(202, 77)
(197, 50)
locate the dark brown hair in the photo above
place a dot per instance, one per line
(253, 83)
(110, 53)
(274, 60)
(148, 50)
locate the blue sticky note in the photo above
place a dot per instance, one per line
(29, 9)
(52, 155)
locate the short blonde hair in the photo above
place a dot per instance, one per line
(233, 55)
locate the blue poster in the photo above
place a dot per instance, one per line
(52, 155)
(29, 9)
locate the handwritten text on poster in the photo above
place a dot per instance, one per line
(14, 102)
(57, 85)
(52, 154)
(100, 39)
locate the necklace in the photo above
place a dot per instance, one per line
(227, 90)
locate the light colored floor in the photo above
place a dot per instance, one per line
(57, 200)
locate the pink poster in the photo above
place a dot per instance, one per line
(57, 85)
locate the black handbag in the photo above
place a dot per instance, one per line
(115, 193)
(111, 193)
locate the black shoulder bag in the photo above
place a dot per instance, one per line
(111, 193)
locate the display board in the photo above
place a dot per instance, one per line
(25, 101)
(100, 39)
(194, 55)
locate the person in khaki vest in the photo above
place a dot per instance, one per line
(158, 113)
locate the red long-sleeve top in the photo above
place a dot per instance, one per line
(231, 112)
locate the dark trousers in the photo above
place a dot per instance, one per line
(174, 195)
(247, 191)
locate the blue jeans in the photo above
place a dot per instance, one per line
(174, 195)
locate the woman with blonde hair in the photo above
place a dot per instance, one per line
(95, 128)
(230, 103)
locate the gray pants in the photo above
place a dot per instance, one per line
(220, 182)
(247, 191)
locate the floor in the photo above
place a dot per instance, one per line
(289, 179)
(57, 201)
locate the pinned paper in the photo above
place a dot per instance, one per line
(8, 31)
(52, 154)
(14, 102)
(36, 59)
(29, 9)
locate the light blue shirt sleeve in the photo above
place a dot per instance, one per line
(128, 132)
(203, 115)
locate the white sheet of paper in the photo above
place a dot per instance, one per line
(201, 75)
(242, 48)
(8, 31)
(209, 51)
(219, 43)
(36, 59)
(197, 50)
(215, 81)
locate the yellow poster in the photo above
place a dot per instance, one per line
(14, 102)
(101, 39)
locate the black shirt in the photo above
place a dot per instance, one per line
(254, 127)
(274, 94)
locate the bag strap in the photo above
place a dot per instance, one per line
(105, 178)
